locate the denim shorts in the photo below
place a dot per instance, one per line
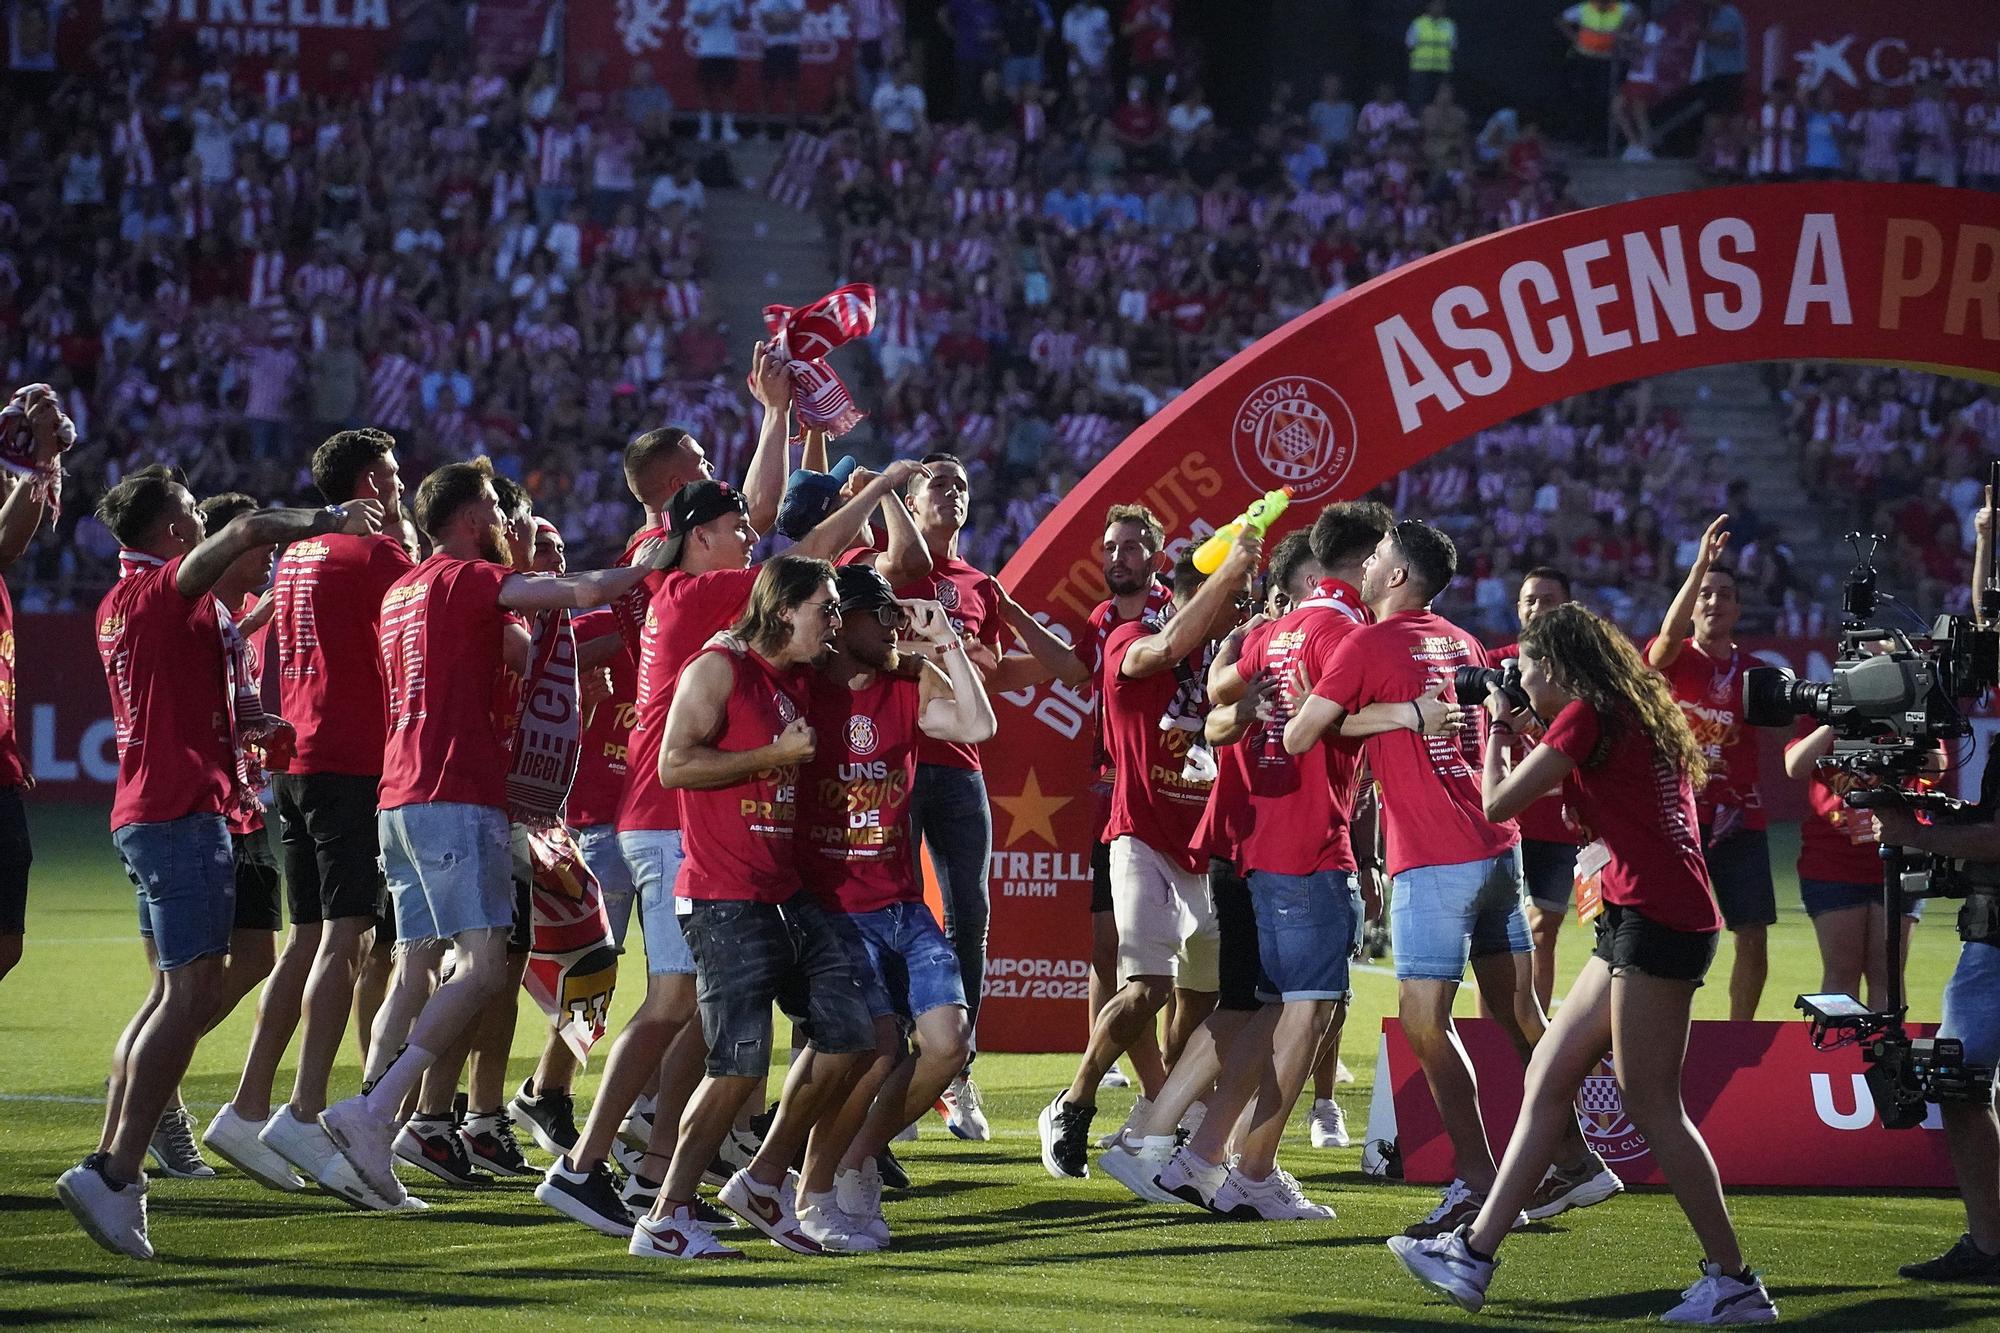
(598, 846)
(1305, 933)
(907, 966)
(1821, 896)
(185, 871)
(750, 955)
(653, 863)
(1442, 916)
(450, 869)
(1972, 1003)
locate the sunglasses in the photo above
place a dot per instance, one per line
(829, 608)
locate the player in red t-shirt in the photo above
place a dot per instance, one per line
(166, 662)
(735, 738)
(1455, 874)
(949, 810)
(1154, 704)
(867, 713)
(1628, 765)
(1696, 651)
(443, 798)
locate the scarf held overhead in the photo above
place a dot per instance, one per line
(805, 334)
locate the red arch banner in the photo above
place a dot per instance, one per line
(1385, 375)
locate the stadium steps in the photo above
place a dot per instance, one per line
(761, 251)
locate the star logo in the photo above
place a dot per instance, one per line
(1826, 58)
(1033, 811)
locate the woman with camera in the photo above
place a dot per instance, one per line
(1619, 748)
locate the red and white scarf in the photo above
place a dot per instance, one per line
(17, 443)
(805, 334)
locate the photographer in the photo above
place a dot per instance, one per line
(1628, 766)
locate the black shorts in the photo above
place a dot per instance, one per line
(1740, 869)
(333, 851)
(1100, 877)
(1627, 939)
(781, 63)
(15, 858)
(1239, 965)
(747, 956)
(717, 73)
(256, 882)
(1550, 869)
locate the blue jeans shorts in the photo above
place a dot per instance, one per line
(598, 846)
(653, 862)
(1821, 896)
(1305, 933)
(1442, 916)
(1972, 1003)
(907, 966)
(450, 868)
(185, 871)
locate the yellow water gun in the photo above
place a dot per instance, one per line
(1258, 518)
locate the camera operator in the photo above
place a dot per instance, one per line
(1697, 652)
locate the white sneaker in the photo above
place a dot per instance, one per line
(112, 1215)
(738, 1148)
(1559, 1193)
(1341, 1073)
(729, 134)
(234, 1139)
(907, 1134)
(859, 1194)
(1114, 1077)
(1447, 1267)
(823, 1221)
(1721, 1299)
(1636, 153)
(1329, 1124)
(1139, 1109)
(1136, 1163)
(1192, 1117)
(1192, 1179)
(1275, 1198)
(769, 1209)
(679, 1235)
(313, 1155)
(368, 1141)
(704, 135)
(963, 1115)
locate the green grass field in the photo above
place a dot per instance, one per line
(984, 1238)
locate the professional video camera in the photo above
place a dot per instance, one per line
(1892, 704)
(1470, 683)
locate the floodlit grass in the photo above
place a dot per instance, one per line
(984, 1238)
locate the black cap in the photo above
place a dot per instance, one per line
(694, 504)
(862, 588)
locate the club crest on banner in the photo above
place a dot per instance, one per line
(1295, 431)
(861, 735)
(1600, 1112)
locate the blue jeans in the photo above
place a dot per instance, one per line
(906, 964)
(1972, 1003)
(948, 811)
(185, 871)
(653, 856)
(1442, 916)
(450, 868)
(1305, 933)
(598, 845)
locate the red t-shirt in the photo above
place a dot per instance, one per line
(1710, 692)
(738, 840)
(607, 730)
(686, 611)
(331, 688)
(162, 655)
(971, 600)
(442, 628)
(1150, 800)
(1642, 808)
(1431, 807)
(1828, 846)
(1543, 821)
(12, 772)
(854, 797)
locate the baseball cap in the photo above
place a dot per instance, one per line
(811, 496)
(862, 588)
(694, 504)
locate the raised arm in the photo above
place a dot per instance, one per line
(906, 558)
(689, 760)
(1047, 654)
(597, 587)
(1679, 622)
(1805, 752)
(837, 531)
(22, 515)
(770, 464)
(1226, 681)
(1184, 633)
(269, 527)
(1982, 550)
(952, 703)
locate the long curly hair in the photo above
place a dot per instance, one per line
(1592, 659)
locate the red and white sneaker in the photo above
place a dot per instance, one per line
(769, 1209)
(678, 1235)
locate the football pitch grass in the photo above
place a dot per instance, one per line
(984, 1238)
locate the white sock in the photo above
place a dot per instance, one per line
(398, 1080)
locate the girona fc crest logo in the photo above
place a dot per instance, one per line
(947, 594)
(861, 735)
(1295, 432)
(1600, 1110)
(787, 710)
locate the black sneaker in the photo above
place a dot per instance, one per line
(549, 1116)
(738, 1147)
(434, 1145)
(639, 1193)
(894, 1177)
(588, 1197)
(1963, 1262)
(718, 1219)
(489, 1139)
(1065, 1133)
